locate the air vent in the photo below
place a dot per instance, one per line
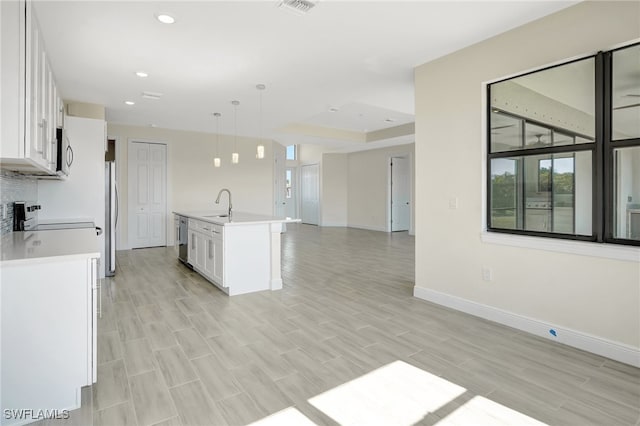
(299, 7)
(152, 95)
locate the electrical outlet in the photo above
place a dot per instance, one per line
(487, 274)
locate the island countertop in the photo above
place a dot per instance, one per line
(237, 218)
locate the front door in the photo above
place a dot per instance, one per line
(147, 194)
(291, 200)
(310, 192)
(279, 184)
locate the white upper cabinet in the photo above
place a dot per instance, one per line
(30, 110)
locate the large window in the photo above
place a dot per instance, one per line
(564, 150)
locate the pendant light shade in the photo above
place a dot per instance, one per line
(260, 146)
(235, 156)
(216, 160)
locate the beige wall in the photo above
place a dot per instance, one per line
(192, 181)
(593, 296)
(368, 180)
(333, 190)
(310, 154)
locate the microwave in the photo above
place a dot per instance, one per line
(64, 157)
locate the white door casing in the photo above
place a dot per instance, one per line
(400, 194)
(310, 193)
(147, 194)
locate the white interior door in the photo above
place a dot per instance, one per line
(147, 194)
(279, 182)
(310, 193)
(400, 194)
(291, 200)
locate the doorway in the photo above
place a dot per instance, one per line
(400, 199)
(291, 189)
(310, 193)
(147, 212)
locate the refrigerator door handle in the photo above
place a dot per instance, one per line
(117, 204)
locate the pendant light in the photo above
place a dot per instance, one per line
(235, 157)
(216, 160)
(260, 146)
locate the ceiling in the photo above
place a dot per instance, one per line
(344, 69)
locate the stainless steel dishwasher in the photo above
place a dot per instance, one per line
(183, 239)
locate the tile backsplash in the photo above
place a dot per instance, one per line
(14, 187)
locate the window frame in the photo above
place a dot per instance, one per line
(602, 154)
(609, 147)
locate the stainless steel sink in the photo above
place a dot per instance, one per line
(218, 215)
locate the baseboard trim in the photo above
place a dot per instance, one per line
(334, 225)
(368, 228)
(616, 351)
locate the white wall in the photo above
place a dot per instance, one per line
(592, 296)
(334, 190)
(82, 195)
(192, 181)
(368, 180)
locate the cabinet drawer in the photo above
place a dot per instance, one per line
(211, 229)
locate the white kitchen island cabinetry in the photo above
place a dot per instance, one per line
(239, 255)
(49, 304)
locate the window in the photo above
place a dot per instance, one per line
(564, 150)
(288, 178)
(291, 152)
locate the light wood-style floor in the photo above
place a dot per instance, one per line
(174, 350)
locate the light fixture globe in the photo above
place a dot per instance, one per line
(235, 157)
(260, 146)
(216, 160)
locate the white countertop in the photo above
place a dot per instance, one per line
(19, 247)
(237, 218)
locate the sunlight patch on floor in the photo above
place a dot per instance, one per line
(287, 417)
(400, 394)
(482, 411)
(395, 394)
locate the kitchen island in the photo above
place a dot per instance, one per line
(239, 253)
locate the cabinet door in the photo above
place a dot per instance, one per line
(36, 81)
(209, 257)
(218, 259)
(200, 251)
(192, 250)
(50, 119)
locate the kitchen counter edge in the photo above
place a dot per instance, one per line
(237, 218)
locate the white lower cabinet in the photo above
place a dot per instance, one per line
(49, 329)
(206, 250)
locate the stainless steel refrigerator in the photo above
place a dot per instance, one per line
(111, 218)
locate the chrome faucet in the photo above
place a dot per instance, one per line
(218, 199)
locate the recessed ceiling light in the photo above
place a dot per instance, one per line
(142, 74)
(129, 102)
(165, 19)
